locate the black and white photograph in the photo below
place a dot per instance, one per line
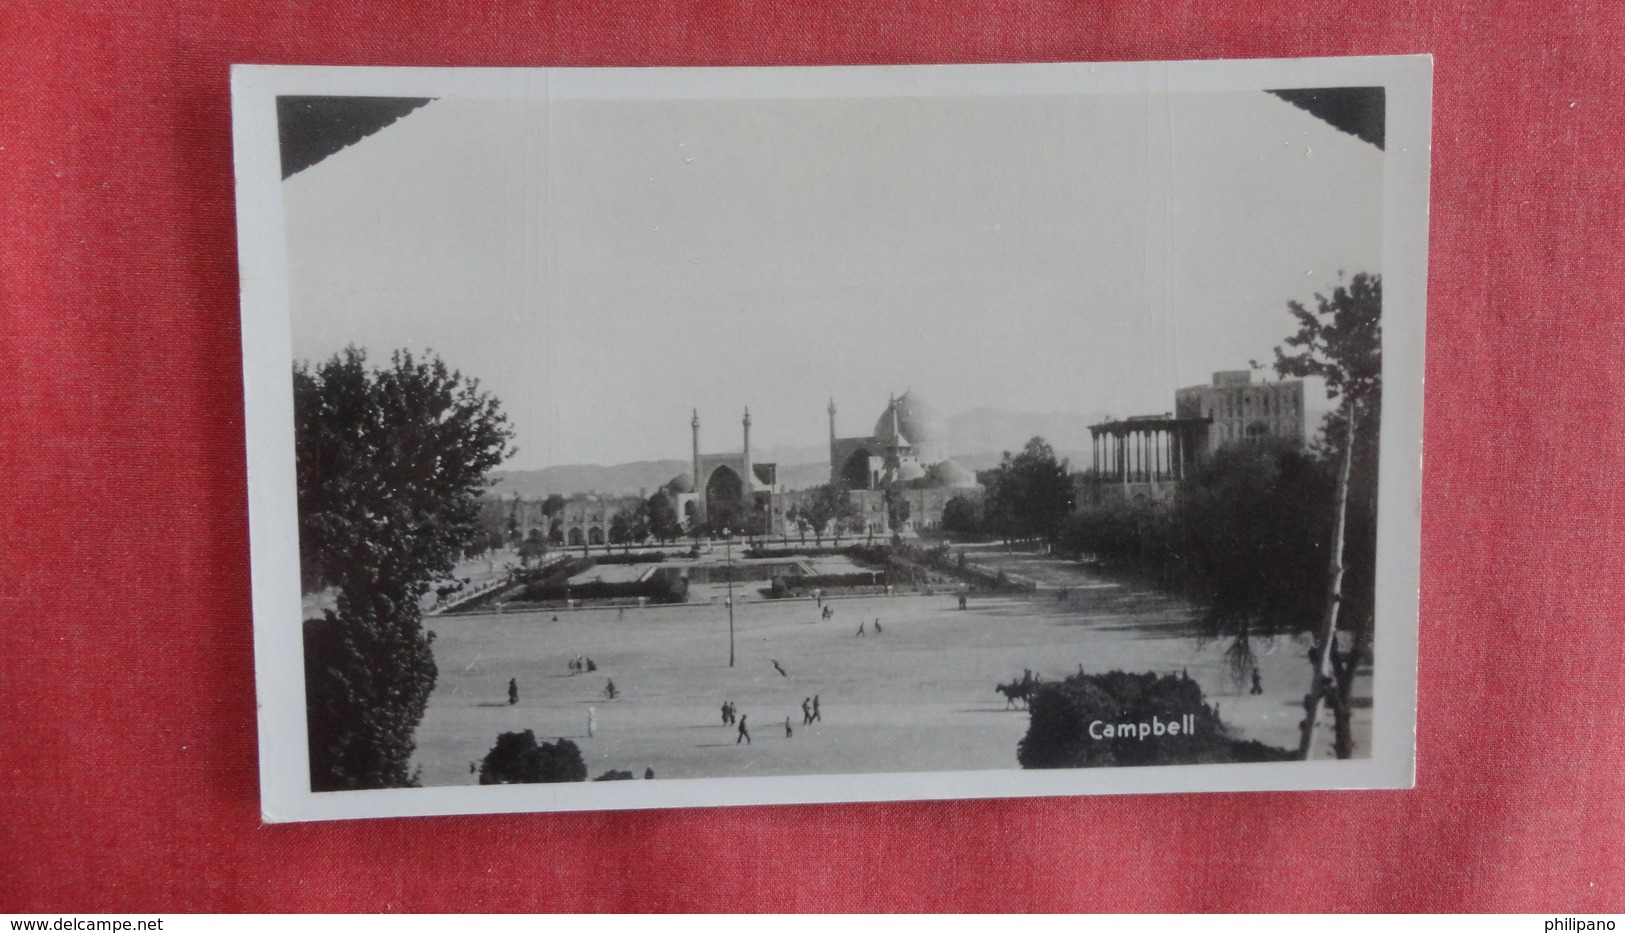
(707, 437)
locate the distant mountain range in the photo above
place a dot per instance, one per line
(978, 439)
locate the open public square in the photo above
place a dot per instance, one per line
(917, 695)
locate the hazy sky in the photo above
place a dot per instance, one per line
(606, 266)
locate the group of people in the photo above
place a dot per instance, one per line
(862, 633)
(581, 664)
(810, 713)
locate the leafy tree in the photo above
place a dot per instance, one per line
(1251, 527)
(516, 758)
(630, 525)
(1341, 342)
(553, 505)
(897, 510)
(663, 523)
(514, 534)
(1137, 534)
(754, 523)
(391, 462)
(1030, 494)
(961, 516)
(796, 517)
(829, 506)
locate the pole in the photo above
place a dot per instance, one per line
(727, 545)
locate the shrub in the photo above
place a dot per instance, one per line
(664, 586)
(1062, 713)
(613, 775)
(517, 759)
(654, 558)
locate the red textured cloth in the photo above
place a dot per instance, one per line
(127, 732)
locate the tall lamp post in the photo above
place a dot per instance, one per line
(727, 546)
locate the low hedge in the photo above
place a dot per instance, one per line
(660, 588)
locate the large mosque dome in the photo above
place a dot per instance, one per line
(918, 423)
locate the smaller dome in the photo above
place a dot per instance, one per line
(681, 483)
(910, 471)
(952, 475)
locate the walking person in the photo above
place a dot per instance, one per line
(817, 716)
(727, 717)
(806, 711)
(877, 626)
(513, 690)
(1258, 683)
(861, 633)
(787, 732)
(744, 734)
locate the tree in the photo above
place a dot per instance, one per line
(553, 505)
(1341, 342)
(1249, 535)
(961, 516)
(795, 516)
(1030, 494)
(391, 463)
(663, 523)
(897, 510)
(630, 525)
(516, 758)
(829, 506)
(514, 535)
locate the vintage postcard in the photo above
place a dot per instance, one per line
(703, 437)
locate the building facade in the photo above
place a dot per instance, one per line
(1239, 409)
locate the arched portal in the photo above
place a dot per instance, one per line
(575, 537)
(555, 534)
(595, 535)
(724, 498)
(855, 471)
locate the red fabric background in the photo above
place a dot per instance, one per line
(127, 736)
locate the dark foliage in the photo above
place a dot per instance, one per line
(791, 585)
(390, 466)
(663, 587)
(662, 518)
(1029, 494)
(646, 557)
(1252, 528)
(517, 759)
(613, 775)
(1058, 735)
(960, 515)
(829, 510)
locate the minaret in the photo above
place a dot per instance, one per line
(833, 466)
(699, 493)
(750, 475)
